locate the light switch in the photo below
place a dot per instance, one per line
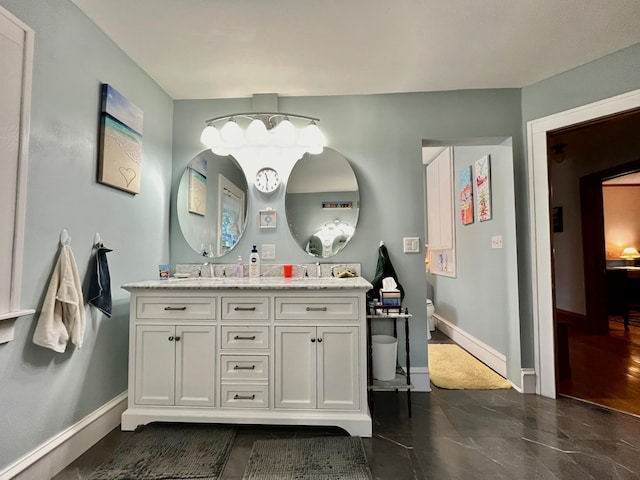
(411, 245)
(496, 241)
(268, 252)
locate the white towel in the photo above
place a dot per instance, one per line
(62, 316)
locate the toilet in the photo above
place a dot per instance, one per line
(430, 312)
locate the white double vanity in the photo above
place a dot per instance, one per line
(287, 351)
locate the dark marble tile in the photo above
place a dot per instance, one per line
(460, 434)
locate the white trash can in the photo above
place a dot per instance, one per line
(430, 311)
(384, 351)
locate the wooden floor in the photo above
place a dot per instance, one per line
(605, 369)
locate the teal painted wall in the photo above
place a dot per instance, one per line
(44, 392)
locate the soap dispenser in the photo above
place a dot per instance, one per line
(254, 263)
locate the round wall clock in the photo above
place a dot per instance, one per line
(267, 180)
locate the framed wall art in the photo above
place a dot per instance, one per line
(466, 196)
(120, 151)
(268, 218)
(482, 170)
(197, 192)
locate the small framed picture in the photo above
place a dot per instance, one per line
(268, 218)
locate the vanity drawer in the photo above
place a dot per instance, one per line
(244, 338)
(245, 396)
(191, 308)
(245, 367)
(317, 308)
(245, 308)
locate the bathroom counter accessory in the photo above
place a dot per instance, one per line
(271, 351)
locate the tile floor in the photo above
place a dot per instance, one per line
(462, 434)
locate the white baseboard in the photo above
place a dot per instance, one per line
(483, 352)
(55, 454)
(528, 380)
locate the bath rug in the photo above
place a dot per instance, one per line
(170, 451)
(322, 458)
(453, 368)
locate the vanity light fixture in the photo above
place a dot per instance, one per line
(274, 131)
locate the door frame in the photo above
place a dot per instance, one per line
(539, 226)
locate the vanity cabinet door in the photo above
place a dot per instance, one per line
(317, 367)
(155, 365)
(195, 365)
(295, 382)
(175, 365)
(337, 375)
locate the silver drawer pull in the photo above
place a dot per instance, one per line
(316, 309)
(244, 397)
(245, 309)
(238, 337)
(238, 367)
(171, 309)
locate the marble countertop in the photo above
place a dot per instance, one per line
(264, 283)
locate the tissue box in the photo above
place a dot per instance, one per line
(390, 298)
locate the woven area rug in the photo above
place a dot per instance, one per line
(170, 451)
(322, 458)
(452, 367)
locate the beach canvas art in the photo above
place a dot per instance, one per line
(120, 158)
(483, 188)
(197, 192)
(466, 196)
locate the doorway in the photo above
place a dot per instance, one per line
(542, 303)
(595, 355)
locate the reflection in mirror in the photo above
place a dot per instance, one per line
(322, 203)
(211, 204)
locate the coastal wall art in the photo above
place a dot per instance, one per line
(120, 152)
(483, 188)
(466, 196)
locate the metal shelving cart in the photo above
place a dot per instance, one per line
(402, 380)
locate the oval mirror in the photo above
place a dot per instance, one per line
(211, 204)
(322, 203)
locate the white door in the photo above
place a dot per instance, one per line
(195, 365)
(155, 365)
(295, 376)
(16, 58)
(338, 371)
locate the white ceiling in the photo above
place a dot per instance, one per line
(235, 48)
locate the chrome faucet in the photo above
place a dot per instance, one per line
(212, 270)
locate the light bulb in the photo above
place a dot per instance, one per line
(220, 150)
(231, 133)
(285, 134)
(312, 135)
(210, 136)
(257, 133)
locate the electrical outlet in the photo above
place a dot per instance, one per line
(268, 252)
(411, 245)
(496, 241)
